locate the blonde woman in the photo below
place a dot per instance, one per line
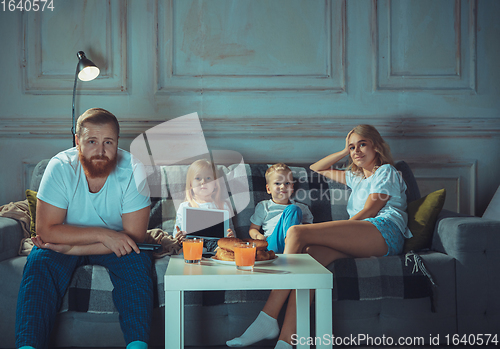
(377, 225)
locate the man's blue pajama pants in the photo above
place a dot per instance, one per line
(292, 215)
(47, 275)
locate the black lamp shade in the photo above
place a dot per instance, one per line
(87, 69)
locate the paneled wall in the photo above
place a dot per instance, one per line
(276, 80)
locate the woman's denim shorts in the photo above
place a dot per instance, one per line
(391, 233)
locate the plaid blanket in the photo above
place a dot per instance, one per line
(91, 289)
(373, 278)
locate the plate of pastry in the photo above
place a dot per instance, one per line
(225, 251)
(227, 262)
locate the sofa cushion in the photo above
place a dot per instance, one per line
(31, 196)
(493, 209)
(36, 176)
(422, 216)
(412, 191)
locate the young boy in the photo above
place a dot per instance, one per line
(279, 213)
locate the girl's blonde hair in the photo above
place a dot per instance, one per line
(382, 149)
(195, 168)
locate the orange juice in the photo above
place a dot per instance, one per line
(244, 256)
(193, 250)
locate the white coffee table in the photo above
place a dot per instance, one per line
(299, 271)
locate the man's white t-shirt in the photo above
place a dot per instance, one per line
(267, 214)
(64, 185)
(385, 180)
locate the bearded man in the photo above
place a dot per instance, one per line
(92, 208)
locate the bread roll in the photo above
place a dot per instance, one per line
(228, 243)
(261, 256)
(260, 245)
(224, 255)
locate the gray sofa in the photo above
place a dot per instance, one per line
(464, 260)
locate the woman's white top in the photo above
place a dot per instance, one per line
(386, 180)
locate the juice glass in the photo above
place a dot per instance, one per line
(244, 255)
(193, 250)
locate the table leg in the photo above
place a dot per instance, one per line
(324, 318)
(174, 319)
(303, 319)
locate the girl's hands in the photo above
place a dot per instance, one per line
(180, 234)
(230, 234)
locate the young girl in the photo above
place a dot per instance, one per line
(377, 225)
(202, 190)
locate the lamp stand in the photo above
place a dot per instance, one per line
(73, 126)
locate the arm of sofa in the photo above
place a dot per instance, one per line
(11, 234)
(475, 244)
(459, 235)
(436, 241)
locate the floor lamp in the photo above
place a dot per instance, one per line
(86, 70)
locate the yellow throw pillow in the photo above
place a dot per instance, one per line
(31, 196)
(422, 217)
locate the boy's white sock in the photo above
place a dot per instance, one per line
(264, 327)
(137, 345)
(283, 345)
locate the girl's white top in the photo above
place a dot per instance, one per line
(179, 219)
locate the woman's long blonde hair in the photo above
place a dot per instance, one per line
(382, 149)
(195, 168)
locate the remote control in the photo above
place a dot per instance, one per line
(149, 247)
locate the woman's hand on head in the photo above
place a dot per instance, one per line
(346, 149)
(230, 234)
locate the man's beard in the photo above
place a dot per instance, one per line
(100, 169)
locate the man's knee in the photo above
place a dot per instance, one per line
(145, 258)
(42, 259)
(137, 266)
